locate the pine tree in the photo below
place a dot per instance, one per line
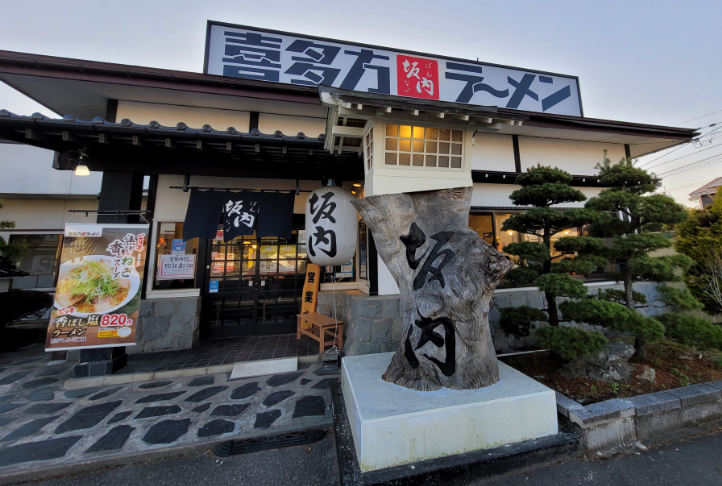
(541, 188)
(632, 238)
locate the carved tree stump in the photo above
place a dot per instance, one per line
(446, 274)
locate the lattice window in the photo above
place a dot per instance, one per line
(413, 146)
(370, 149)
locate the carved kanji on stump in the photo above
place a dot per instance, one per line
(447, 275)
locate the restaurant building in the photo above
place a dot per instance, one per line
(286, 113)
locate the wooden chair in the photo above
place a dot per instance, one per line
(321, 326)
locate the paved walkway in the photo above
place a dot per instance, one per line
(222, 352)
(44, 426)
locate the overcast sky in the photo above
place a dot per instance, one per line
(653, 62)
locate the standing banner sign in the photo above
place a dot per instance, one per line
(99, 285)
(310, 291)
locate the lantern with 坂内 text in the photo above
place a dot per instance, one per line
(331, 224)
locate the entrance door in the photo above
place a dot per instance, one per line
(253, 286)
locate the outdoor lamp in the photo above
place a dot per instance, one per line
(81, 169)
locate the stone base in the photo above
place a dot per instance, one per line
(392, 425)
(100, 362)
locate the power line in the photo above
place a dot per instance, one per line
(693, 119)
(646, 164)
(682, 157)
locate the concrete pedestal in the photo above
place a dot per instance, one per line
(392, 425)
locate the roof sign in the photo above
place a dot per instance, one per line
(265, 55)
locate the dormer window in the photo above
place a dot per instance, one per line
(415, 146)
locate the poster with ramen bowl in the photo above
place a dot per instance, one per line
(100, 277)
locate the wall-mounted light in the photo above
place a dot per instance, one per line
(353, 192)
(81, 169)
(356, 184)
(510, 233)
(566, 232)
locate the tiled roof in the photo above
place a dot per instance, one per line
(158, 149)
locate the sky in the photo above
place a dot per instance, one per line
(654, 62)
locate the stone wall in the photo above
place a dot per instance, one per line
(373, 324)
(167, 324)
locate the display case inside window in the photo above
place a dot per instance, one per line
(176, 260)
(39, 260)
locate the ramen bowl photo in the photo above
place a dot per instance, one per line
(88, 285)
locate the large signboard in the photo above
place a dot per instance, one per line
(99, 284)
(252, 53)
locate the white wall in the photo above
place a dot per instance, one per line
(25, 169)
(170, 115)
(497, 195)
(387, 284)
(43, 215)
(291, 125)
(577, 158)
(493, 152)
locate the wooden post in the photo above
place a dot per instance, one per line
(447, 275)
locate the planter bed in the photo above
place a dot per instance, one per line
(606, 419)
(674, 365)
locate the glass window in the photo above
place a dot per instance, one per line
(504, 238)
(482, 224)
(408, 145)
(40, 260)
(170, 233)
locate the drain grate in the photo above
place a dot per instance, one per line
(233, 447)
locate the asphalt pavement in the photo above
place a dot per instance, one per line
(695, 461)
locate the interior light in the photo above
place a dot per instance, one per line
(81, 169)
(357, 184)
(253, 246)
(246, 242)
(353, 192)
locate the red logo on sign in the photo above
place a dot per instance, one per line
(417, 77)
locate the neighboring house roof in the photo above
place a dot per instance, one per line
(709, 188)
(8, 270)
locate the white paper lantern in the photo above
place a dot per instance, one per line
(331, 225)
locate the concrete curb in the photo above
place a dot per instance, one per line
(622, 422)
(76, 383)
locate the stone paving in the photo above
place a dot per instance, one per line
(42, 425)
(215, 352)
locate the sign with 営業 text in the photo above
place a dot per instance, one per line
(310, 291)
(177, 267)
(99, 283)
(266, 55)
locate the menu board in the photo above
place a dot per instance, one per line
(99, 285)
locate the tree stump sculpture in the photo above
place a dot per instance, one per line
(446, 274)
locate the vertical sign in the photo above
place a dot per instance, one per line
(99, 283)
(310, 291)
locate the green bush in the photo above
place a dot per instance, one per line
(570, 342)
(692, 331)
(518, 321)
(522, 276)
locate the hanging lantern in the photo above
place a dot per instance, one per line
(331, 225)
